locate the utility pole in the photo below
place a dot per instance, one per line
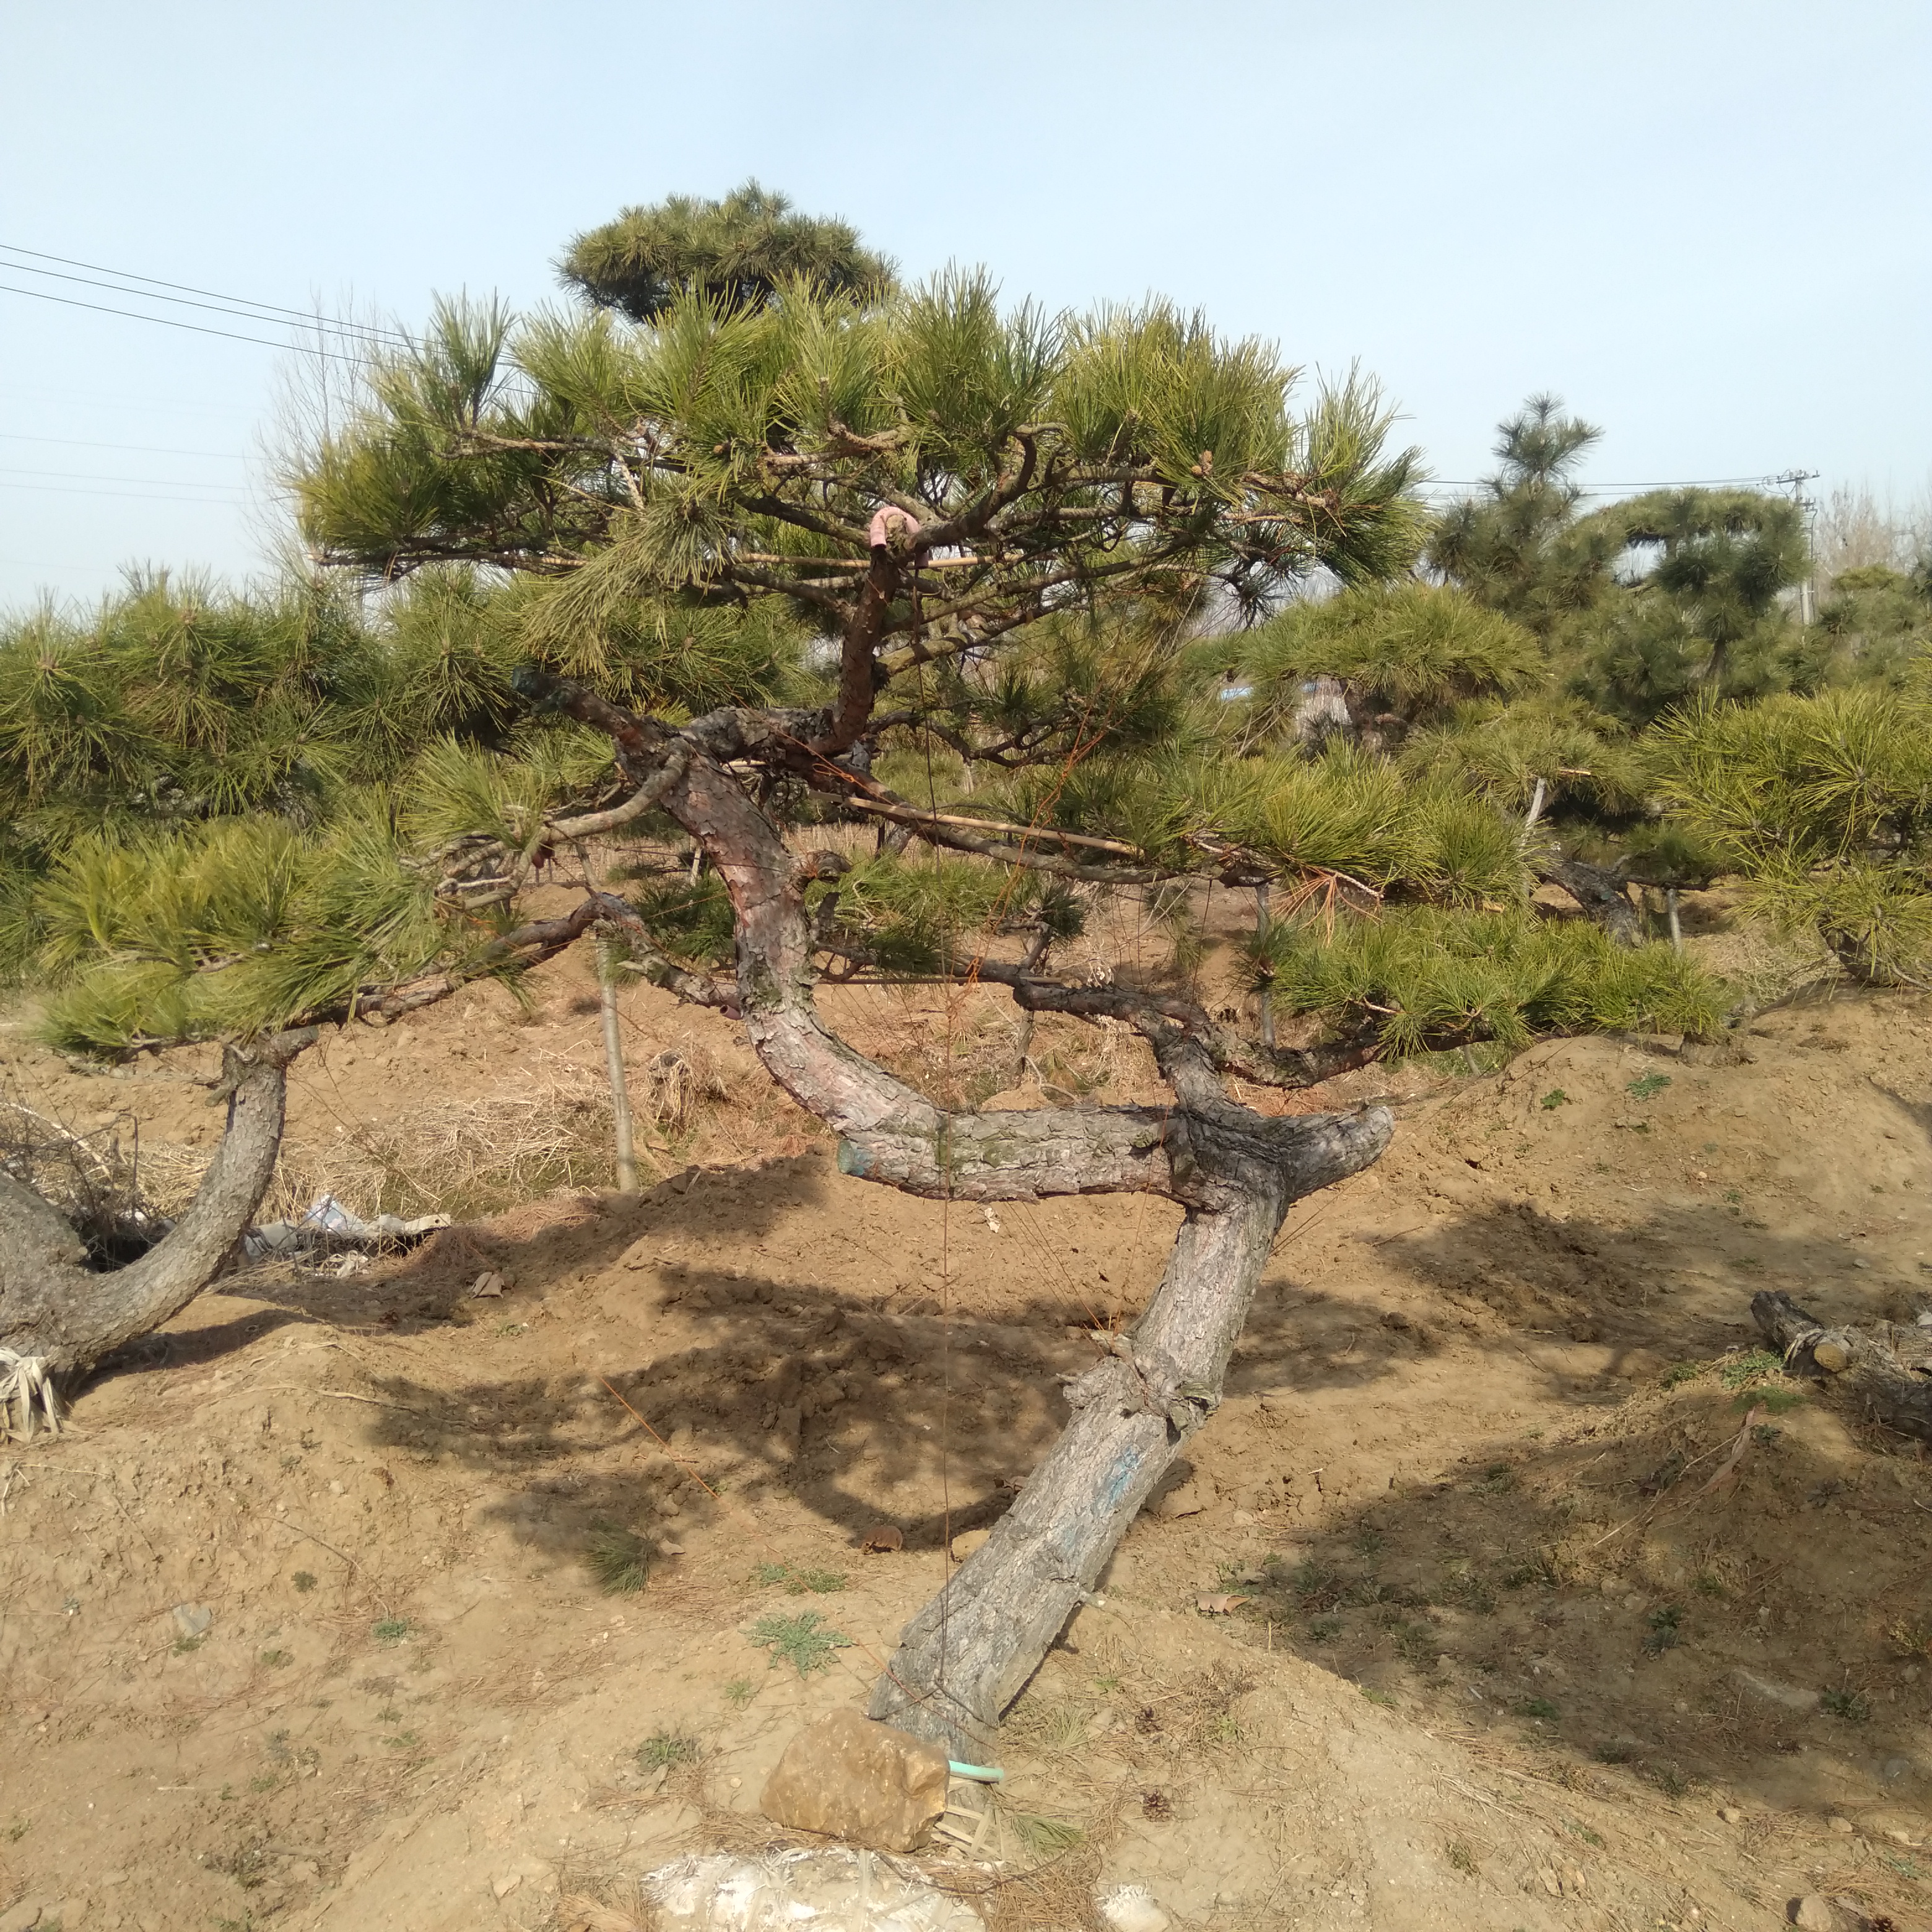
(1795, 481)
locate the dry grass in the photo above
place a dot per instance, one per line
(464, 1157)
(116, 1192)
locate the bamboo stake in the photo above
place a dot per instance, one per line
(1261, 931)
(613, 1056)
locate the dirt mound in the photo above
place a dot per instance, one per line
(1534, 1597)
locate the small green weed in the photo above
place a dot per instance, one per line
(1765, 1434)
(1541, 1708)
(1668, 1778)
(1665, 1633)
(740, 1692)
(800, 1582)
(1554, 1099)
(1457, 1851)
(183, 1645)
(1583, 1832)
(391, 1630)
(1497, 1480)
(666, 1748)
(1613, 1751)
(1735, 1372)
(1680, 1372)
(620, 1560)
(1376, 1695)
(1846, 1704)
(1324, 1630)
(806, 1641)
(275, 1659)
(1734, 1195)
(1648, 1086)
(18, 1830)
(303, 1580)
(1707, 1583)
(403, 1740)
(1779, 1400)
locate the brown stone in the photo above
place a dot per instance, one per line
(866, 1782)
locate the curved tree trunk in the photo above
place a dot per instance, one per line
(60, 1317)
(967, 1654)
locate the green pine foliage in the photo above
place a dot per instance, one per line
(229, 929)
(1421, 978)
(1584, 761)
(1407, 650)
(742, 249)
(1825, 805)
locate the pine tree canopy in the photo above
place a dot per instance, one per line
(1042, 592)
(739, 252)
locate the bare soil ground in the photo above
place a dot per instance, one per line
(1487, 1646)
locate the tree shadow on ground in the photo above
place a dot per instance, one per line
(1700, 1575)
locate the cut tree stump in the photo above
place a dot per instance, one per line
(1883, 1371)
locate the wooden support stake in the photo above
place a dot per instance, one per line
(613, 1056)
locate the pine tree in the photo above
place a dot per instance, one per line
(741, 250)
(731, 570)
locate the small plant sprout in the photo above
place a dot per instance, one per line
(392, 1630)
(618, 1559)
(1554, 1099)
(806, 1642)
(303, 1580)
(1648, 1086)
(662, 1749)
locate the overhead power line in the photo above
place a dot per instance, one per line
(170, 482)
(169, 322)
(139, 448)
(270, 310)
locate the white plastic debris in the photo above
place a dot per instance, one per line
(787, 1891)
(1131, 1908)
(326, 1224)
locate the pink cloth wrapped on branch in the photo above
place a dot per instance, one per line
(884, 518)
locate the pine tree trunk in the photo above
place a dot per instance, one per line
(56, 1310)
(1235, 1172)
(965, 1657)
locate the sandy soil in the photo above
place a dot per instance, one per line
(1498, 1652)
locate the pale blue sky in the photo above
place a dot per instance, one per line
(1703, 223)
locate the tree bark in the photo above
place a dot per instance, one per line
(58, 1313)
(1884, 1371)
(1601, 893)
